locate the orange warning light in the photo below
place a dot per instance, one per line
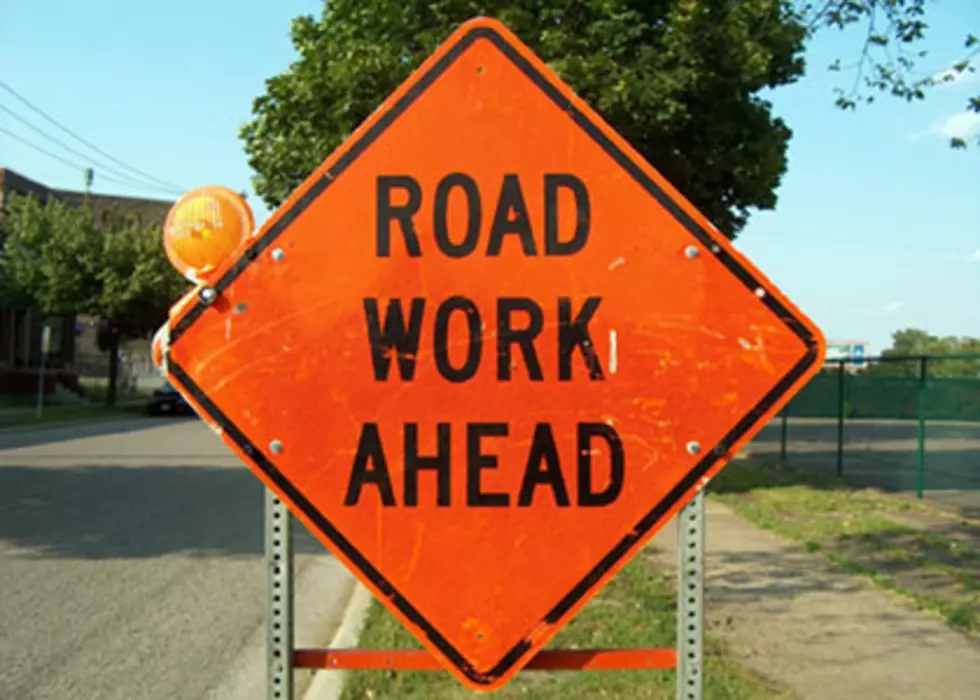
(203, 228)
(158, 348)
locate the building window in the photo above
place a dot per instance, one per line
(57, 326)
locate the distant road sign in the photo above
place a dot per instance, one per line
(856, 353)
(485, 351)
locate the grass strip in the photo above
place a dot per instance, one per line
(65, 414)
(923, 553)
(637, 609)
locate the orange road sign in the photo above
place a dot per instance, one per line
(485, 351)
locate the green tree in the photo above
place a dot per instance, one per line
(69, 264)
(680, 79)
(12, 292)
(914, 342)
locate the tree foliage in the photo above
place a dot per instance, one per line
(914, 342)
(680, 79)
(889, 58)
(60, 258)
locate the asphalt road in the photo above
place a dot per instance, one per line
(131, 566)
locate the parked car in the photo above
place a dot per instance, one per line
(167, 401)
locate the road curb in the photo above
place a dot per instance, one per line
(323, 592)
(328, 685)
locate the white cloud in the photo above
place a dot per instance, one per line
(974, 257)
(964, 125)
(893, 307)
(951, 76)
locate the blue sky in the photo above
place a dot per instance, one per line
(878, 221)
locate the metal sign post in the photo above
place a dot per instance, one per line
(690, 600)
(279, 618)
(688, 659)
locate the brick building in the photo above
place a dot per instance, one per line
(73, 348)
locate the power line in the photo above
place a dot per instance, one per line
(65, 161)
(95, 148)
(140, 183)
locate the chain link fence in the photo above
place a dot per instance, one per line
(900, 423)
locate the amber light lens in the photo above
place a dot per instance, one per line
(158, 345)
(203, 228)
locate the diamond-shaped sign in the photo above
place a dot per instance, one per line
(485, 351)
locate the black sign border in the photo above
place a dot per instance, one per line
(347, 157)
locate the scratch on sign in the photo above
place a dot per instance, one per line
(613, 358)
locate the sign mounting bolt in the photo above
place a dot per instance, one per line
(275, 446)
(693, 447)
(278, 254)
(208, 295)
(691, 252)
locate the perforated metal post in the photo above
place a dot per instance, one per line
(783, 429)
(279, 561)
(920, 480)
(690, 600)
(841, 410)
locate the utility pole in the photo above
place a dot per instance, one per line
(89, 178)
(45, 350)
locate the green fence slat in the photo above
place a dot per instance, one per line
(952, 399)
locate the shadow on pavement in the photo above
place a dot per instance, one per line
(109, 512)
(745, 579)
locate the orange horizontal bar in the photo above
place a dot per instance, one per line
(417, 660)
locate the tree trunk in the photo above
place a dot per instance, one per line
(110, 397)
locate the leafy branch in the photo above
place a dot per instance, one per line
(890, 54)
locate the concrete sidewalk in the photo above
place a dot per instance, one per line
(821, 632)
